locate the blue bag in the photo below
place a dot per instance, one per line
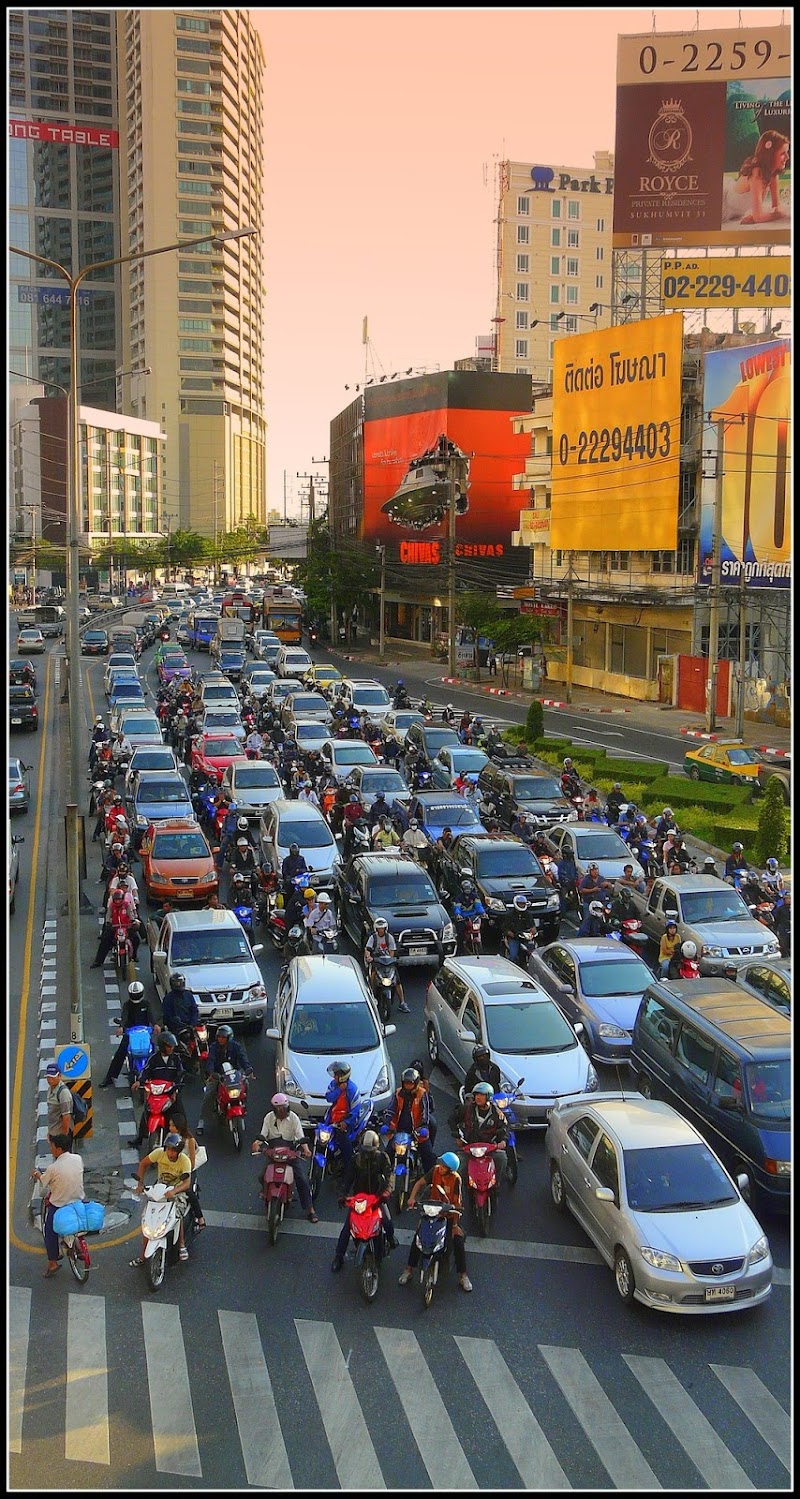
(70, 1219)
(95, 1216)
(139, 1040)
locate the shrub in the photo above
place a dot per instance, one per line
(772, 839)
(640, 770)
(673, 791)
(534, 724)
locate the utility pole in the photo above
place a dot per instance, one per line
(742, 654)
(570, 591)
(382, 631)
(216, 530)
(284, 496)
(451, 574)
(716, 573)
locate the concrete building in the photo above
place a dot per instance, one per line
(191, 162)
(553, 259)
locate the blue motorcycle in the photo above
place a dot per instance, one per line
(504, 1102)
(326, 1154)
(433, 1243)
(407, 1165)
(243, 908)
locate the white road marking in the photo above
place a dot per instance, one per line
(19, 1328)
(263, 1448)
(171, 1413)
(86, 1424)
(760, 1407)
(687, 1423)
(533, 1457)
(620, 1455)
(354, 1456)
(425, 1410)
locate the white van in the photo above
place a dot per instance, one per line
(292, 661)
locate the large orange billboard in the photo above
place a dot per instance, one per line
(702, 138)
(412, 430)
(616, 437)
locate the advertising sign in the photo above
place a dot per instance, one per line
(727, 281)
(616, 436)
(418, 432)
(62, 135)
(702, 140)
(752, 387)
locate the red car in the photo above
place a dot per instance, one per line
(213, 753)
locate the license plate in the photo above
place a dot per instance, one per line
(16, 720)
(417, 952)
(720, 1293)
(223, 1012)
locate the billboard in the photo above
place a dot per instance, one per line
(413, 431)
(702, 139)
(616, 437)
(751, 387)
(727, 281)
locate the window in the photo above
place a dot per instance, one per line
(572, 296)
(659, 1022)
(555, 295)
(523, 264)
(555, 208)
(523, 234)
(604, 1165)
(583, 1134)
(601, 224)
(600, 253)
(555, 265)
(573, 239)
(685, 559)
(570, 323)
(451, 989)
(663, 562)
(728, 1077)
(694, 1053)
(522, 320)
(523, 205)
(620, 562)
(573, 210)
(572, 265)
(522, 291)
(521, 348)
(471, 1019)
(598, 281)
(555, 327)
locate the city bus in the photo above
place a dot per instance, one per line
(283, 614)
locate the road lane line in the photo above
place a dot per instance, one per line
(86, 1424)
(687, 1423)
(171, 1413)
(265, 1459)
(528, 1447)
(425, 1410)
(622, 1459)
(354, 1456)
(760, 1407)
(19, 1331)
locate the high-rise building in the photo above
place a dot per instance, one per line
(191, 149)
(63, 194)
(553, 259)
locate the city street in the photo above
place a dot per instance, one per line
(255, 1365)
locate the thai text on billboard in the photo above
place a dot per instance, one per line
(702, 139)
(750, 388)
(616, 437)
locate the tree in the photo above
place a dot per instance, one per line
(772, 838)
(534, 724)
(335, 569)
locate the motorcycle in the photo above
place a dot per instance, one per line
(432, 1241)
(383, 983)
(278, 1188)
(471, 935)
(421, 779)
(161, 1226)
(230, 1101)
(368, 1237)
(519, 946)
(325, 943)
(481, 1180)
(159, 1097)
(121, 948)
(407, 1166)
(626, 929)
(193, 1046)
(505, 1101)
(326, 1155)
(243, 908)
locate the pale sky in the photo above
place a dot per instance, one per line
(383, 131)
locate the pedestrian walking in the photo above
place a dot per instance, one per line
(60, 1104)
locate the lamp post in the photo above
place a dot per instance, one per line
(74, 513)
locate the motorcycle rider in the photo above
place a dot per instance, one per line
(369, 1171)
(137, 1010)
(683, 964)
(570, 780)
(449, 715)
(665, 823)
(709, 866)
(343, 1099)
(614, 801)
(479, 1118)
(494, 741)
(621, 906)
(468, 908)
(414, 839)
(378, 810)
(483, 1070)
(175, 1169)
(442, 1183)
(293, 865)
(165, 1065)
(381, 941)
(782, 921)
(179, 1006)
(120, 912)
(243, 861)
(772, 879)
(123, 880)
(409, 1112)
(222, 1049)
(401, 698)
(667, 948)
(592, 886)
(353, 812)
(512, 923)
(121, 750)
(282, 1126)
(736, 863)
(385, 836)
(254, 744)
(306, 792)
(229, 832)
(678, 853)
(320, 920)
(567, 875)
(594, 922)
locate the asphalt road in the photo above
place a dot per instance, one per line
(255, 1366)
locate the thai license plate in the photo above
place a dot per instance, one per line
(16, 720)
(720, 1293)
(223, 1012)
(417, 952)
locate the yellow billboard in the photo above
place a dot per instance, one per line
(727, 281)
(616, 437)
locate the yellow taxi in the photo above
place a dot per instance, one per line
(724, 761)
(323, 678)
(177, 863)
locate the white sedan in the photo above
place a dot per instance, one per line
(30, 642)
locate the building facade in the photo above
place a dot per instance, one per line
(63, 194)
(191, 149)
(553, 259)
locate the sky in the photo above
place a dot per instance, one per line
(383, 133)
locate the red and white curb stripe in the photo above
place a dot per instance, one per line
(780, 754)
(698, 734)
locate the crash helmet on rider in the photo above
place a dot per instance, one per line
(483, 1091)
(241, 842)
(709, 862)
(380, 925)
(480, 1052)
(772, 866)
(279, 1101)
(370, 1142)
(520, 902)
(242, 825)
(340, 1071)
(412, 824)
(595, 908)
(135, 990)
(294, 848)
(667, 812)
(98, 723)
(174, 1142)
(689, 949)
(224, 1033)
(410, 1075)
(118, 896)
(354, 796)
(309, 894)
(738, 848)
(177, 981)
(567, 762)
(449, 1160)
(467, 887)
(324, 899)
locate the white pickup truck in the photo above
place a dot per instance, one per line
(710, 913)
(213, 953)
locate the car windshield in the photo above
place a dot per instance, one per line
(456, 814)
(382, 780)
(311, 834)
(436, 739)
(222, 718)
(401, 890)
(742, 757)
(725, 904)
(602, 980)
(283, 687)
(162, 791)
(405, 720)
(218, 749)
(327, 674)
(140, 725)
(95, 636)
(528, 1028)
(536, 789)
(180, 846)
(371, 697)
(468, 759)
(124, 688)
(215, 945)
(308, 731)
(769, 1087)
(334, 1029)
(249, 776)
(602, 846)
(21, 694)
(152, 759)
(354, 754)
(508, 862)
(675, 1178)
(309, 703)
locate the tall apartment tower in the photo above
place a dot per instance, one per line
(553, 259)
(191, 163)
(63, 195)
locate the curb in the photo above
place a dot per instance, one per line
(780, 754)
(698, 734)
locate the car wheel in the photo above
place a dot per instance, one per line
(694, 773)
(557, 1192)
(645, 1086)
(433, 1046)
(623, 1277)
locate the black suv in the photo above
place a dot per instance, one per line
(22, 672)
(501, 867)
(95, 642)
(383, 884)
(520, 785)
(22, 703)
(428, 739)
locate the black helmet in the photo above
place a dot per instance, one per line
(166, 1039)
(224, 1030)
(410, 1076)
(177, 980)
(294, 848)
(480, 1051)
(467, 885)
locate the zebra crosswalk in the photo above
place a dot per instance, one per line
(303, 1414)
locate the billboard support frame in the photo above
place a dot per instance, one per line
(716, 576)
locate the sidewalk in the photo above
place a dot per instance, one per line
(656, 716)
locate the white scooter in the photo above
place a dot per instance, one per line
(161, 1225)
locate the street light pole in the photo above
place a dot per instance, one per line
(382, 629)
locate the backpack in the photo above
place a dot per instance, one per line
(80, 1107)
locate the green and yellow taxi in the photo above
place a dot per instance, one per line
(323, 678)
(723, 762)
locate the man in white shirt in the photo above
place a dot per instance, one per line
(63, 1181)
(414, 839)
(281, 1125)
(319, 919)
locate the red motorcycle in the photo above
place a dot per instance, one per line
(368, 1240)
(278, 1190)
(193, 1043)
(121, 947)
(230, 1101)
(481, 1181)
(159, 1097)
(471, 935)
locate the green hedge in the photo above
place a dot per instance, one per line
(639, 770)
(673, 791)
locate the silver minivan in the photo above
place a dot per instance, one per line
(292, 661)
(286, 822)
(324, 1012)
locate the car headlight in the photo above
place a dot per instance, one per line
(448, 932)
(772, 945)
(571, 816)
(553, 902)
(659, 1260)
(760, 1250)
(208, 879)
(257, 991)
(290, 1084)
(711, 952)
(591, 1080)
(495, 905)
(381, 1083)
(611, 1032)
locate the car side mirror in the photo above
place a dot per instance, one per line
(159, 954)
(744, 1184)
(273, 1034)
(389, 1030)
(732, 1104)
(604, 1194)
(18, 838)
(464, 1035)
(578, 1028)
(565, 988)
